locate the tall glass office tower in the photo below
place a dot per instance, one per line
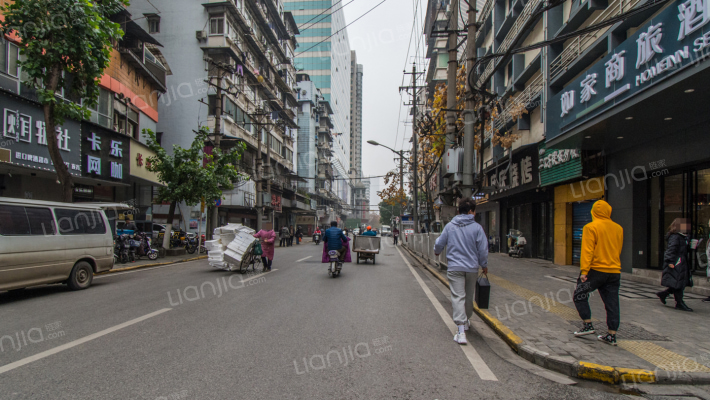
(326, 59)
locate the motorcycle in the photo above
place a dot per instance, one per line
(316, 238)
(335, 264)
(140, 247)
(121, 249)
(516, 243)
(178, 239)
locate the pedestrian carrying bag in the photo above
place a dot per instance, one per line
(483, 292)
(257, 249)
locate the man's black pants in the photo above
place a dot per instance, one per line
(608, 286)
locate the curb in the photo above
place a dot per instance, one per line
(568, 365)
(150, 265)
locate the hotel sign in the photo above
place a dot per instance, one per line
(676, 38)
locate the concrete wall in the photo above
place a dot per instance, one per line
(180, 112)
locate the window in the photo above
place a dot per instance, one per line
(40, 220)
(153, 24)
(18, 220)
(102, 113)
(79, 222)
(9, 54)
(217, 26)
(125, 119)
(510, 73)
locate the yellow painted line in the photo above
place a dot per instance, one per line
(662, 358)
(628, 375)
(547, 302)
(513, 340)
(596, 372)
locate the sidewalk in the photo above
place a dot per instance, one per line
(533, 299)
(144, 262)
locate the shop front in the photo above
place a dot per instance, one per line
(647, 116)
(519, 204)
(26, 168)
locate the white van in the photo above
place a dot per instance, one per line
(44, 242)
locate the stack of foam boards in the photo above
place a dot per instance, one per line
(230, 243)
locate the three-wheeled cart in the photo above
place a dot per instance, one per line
(366, 247)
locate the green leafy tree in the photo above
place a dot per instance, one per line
(191, 175)
(65, 44)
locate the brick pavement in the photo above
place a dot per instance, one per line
(534, 299)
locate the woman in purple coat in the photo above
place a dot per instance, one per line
(267, 239)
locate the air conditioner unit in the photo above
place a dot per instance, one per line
(201, 35)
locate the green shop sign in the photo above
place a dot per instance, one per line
(559, 165)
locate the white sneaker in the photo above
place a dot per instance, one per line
(460, 338)
(467, 325)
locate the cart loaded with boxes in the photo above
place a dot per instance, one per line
(234, 248)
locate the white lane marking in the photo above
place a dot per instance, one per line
(303, 259)
(44, 354)
(474, 358)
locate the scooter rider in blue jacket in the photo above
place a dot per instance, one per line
(334, 238)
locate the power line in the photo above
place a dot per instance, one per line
(343, 28)
(325, 16)
(321, 13)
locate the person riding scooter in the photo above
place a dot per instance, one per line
(334, 239)
(317, 235)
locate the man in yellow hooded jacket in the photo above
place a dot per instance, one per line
(600, 270)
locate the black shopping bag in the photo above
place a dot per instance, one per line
(483, 292)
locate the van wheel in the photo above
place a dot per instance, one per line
(81, 276)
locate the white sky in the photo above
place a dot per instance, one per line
(381, 40)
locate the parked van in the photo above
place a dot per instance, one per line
(43, 242)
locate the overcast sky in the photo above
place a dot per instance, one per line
(381, 40)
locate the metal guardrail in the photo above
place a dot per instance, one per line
(580, 43)
(423, 245)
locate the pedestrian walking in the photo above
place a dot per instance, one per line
(268, 241)
(676, 274)
(299, 235)
(600, 269)
(395, 235)
(466, 252)
(283, 236)
(291, 232)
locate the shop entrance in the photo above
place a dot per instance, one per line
(581, 216)
(681, 195)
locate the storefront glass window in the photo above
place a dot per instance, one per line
(656, 245)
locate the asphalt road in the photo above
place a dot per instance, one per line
(375, 332)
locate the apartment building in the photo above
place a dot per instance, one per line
(246, 49)
(324, 54)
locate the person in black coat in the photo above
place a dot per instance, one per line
(676, 271)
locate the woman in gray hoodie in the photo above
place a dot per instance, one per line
(466, 250)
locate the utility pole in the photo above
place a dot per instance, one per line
(259, 195)
(401, 170)
(469, 153)
(415, 143)
(453, 66)
(214, 218)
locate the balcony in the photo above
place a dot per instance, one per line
(232, 130)
(243, 195)
(225, 43)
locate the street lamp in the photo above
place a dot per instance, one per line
(401, 168)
